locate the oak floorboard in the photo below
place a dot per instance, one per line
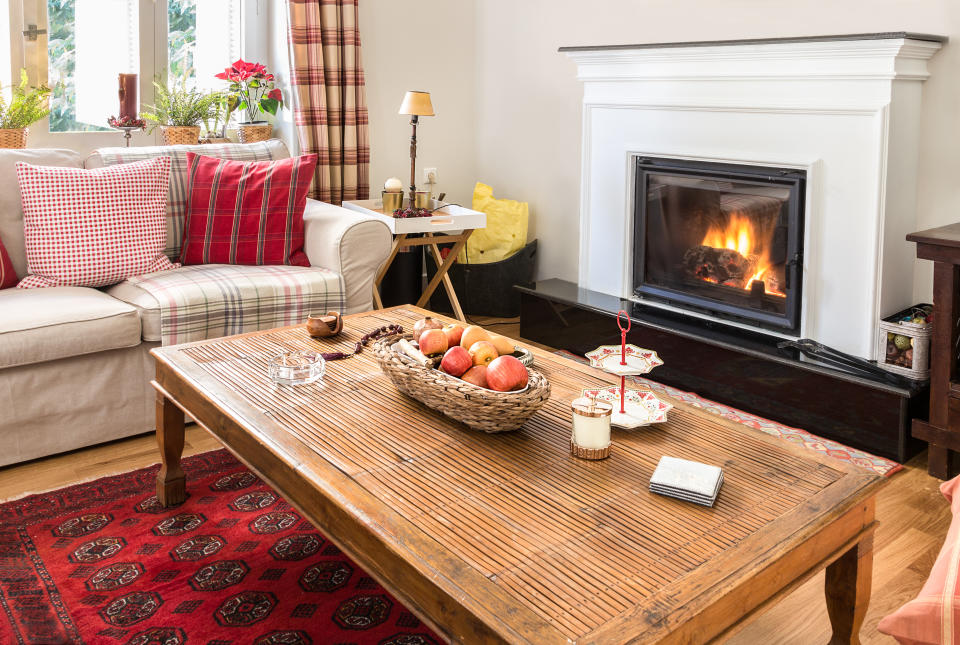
(912, 522)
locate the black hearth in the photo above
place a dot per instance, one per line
(721, 239)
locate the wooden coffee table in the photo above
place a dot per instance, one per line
(507, 538)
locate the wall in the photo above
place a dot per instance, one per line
(427, 45)
(530, 98)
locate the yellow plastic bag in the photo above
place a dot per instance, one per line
(506, 231)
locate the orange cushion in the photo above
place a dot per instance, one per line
(933, 617)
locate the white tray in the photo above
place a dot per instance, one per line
(450, 217)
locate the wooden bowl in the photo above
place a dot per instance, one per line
(326, 325)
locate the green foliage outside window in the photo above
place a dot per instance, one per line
(182, 43)
(61, 50)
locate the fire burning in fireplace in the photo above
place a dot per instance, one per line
(734, 255)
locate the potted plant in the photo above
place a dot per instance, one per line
(254, 94)
(178, 112)
(215, 127)
(27, 106)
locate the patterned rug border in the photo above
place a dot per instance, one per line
(834, 449)
(77, 496)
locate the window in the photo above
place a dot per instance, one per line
(203, 39)
(82, 45)
(90, 42)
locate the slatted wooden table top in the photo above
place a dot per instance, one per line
(508, 537)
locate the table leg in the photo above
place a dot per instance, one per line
(171, 481)
(377, 302)
(448, 285)
(848, 591)
(443, 268)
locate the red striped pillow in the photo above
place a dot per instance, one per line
(8, 277)
(246, 213)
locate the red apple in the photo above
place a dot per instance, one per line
(507, 373)
(456, 361)
(454, 334)
(476, 375)
(483, 352)
(433, 341)
(423, 325)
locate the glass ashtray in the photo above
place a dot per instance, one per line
(296, 367)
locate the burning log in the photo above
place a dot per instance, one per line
(723, 266)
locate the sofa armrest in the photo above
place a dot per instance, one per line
(352, 244)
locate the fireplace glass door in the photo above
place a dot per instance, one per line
(719, 239)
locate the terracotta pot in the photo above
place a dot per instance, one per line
(252, 132)
(13, 137)
(174, 135)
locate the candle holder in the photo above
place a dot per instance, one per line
(632, 408)
(590, 438)
(126, 124)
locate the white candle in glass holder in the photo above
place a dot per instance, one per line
(591, 423)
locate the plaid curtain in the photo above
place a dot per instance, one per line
(329, 100)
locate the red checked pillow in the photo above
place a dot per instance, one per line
(8, 277)
(246, 212)
(93, 228)
(933, 617)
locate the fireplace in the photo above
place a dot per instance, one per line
(720, 239)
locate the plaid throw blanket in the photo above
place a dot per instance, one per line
(214, 300)
(178, 197)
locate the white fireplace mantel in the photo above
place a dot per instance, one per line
(845, 109)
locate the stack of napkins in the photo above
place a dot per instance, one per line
(687, 480)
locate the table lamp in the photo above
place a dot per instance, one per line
(415, 104)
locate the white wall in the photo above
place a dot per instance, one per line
(527, 117)
(427, 45)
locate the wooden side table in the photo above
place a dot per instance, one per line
(431, 240)
(450, 223)
(942, 432)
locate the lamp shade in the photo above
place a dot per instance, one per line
(416, 104)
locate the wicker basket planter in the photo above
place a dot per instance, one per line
(215, 140)
(175, 135)
(253, 132)
(13, 137)
(479, 408)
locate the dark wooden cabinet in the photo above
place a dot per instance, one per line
(942, 431)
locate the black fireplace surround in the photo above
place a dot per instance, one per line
(720, 239)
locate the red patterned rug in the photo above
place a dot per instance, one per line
(103, 563)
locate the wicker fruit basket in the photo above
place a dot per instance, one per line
(477, 407)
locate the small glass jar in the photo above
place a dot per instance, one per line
(591, 428)
(296, 367)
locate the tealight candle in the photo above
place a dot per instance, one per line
(591, 428)
(393, 185)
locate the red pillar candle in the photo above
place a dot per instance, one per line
(129, 96)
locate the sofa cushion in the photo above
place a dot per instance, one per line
(8, 276)
(934, 615)
(11, 211)
(178, 196)
(246, 212)
(92, 228)
(38, 325)
(213, 300)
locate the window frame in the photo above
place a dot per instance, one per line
(153, 26)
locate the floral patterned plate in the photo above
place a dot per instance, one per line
(639, 360)
(642, 406)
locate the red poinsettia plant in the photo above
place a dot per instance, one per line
(251, 89)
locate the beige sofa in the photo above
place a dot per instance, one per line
(75, 365)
